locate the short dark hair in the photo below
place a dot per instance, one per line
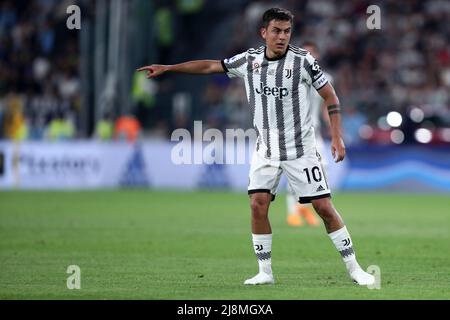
(276, 14)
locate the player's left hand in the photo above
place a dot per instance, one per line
(337, 149)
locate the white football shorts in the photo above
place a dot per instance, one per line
(305, 175)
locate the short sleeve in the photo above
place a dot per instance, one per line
(313, 73)
(236, 66)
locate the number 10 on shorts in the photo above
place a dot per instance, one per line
(314, 173)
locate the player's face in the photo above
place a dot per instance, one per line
(277, 36)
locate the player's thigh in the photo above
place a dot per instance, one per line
(264, 175)
(307, 178)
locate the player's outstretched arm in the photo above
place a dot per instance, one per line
(191, 67)
(334, 113)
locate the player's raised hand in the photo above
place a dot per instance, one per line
(337, 149)
(154, 70)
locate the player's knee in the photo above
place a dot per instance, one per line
(259, 204)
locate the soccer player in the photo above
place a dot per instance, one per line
(296, 211)
(278, 77)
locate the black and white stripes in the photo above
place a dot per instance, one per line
(296, 108)
(297, 50)
(347, 252)
(278, 94)
(251, 91)
(264, 255)
(265, 110)
(237, 63)
(279, 112)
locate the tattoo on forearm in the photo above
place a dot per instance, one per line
(333, 109)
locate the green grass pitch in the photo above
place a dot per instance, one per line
(145, 244)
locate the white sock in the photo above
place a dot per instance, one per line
(262, 244)
(343, 243)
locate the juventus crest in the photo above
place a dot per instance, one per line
(288, 73)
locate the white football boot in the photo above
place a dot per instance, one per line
(362, 278)
(261, 278)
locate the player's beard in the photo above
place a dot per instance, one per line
(279, 50)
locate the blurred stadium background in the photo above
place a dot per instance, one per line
(74, 115)
(64, 92)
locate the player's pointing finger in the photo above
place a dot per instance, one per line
(142, 69)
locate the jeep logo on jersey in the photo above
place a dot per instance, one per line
(278, 92)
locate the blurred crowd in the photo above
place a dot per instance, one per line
(39, 80)
(402, 67)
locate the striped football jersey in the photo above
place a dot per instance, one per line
(279, 95)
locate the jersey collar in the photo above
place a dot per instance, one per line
(275, 59)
